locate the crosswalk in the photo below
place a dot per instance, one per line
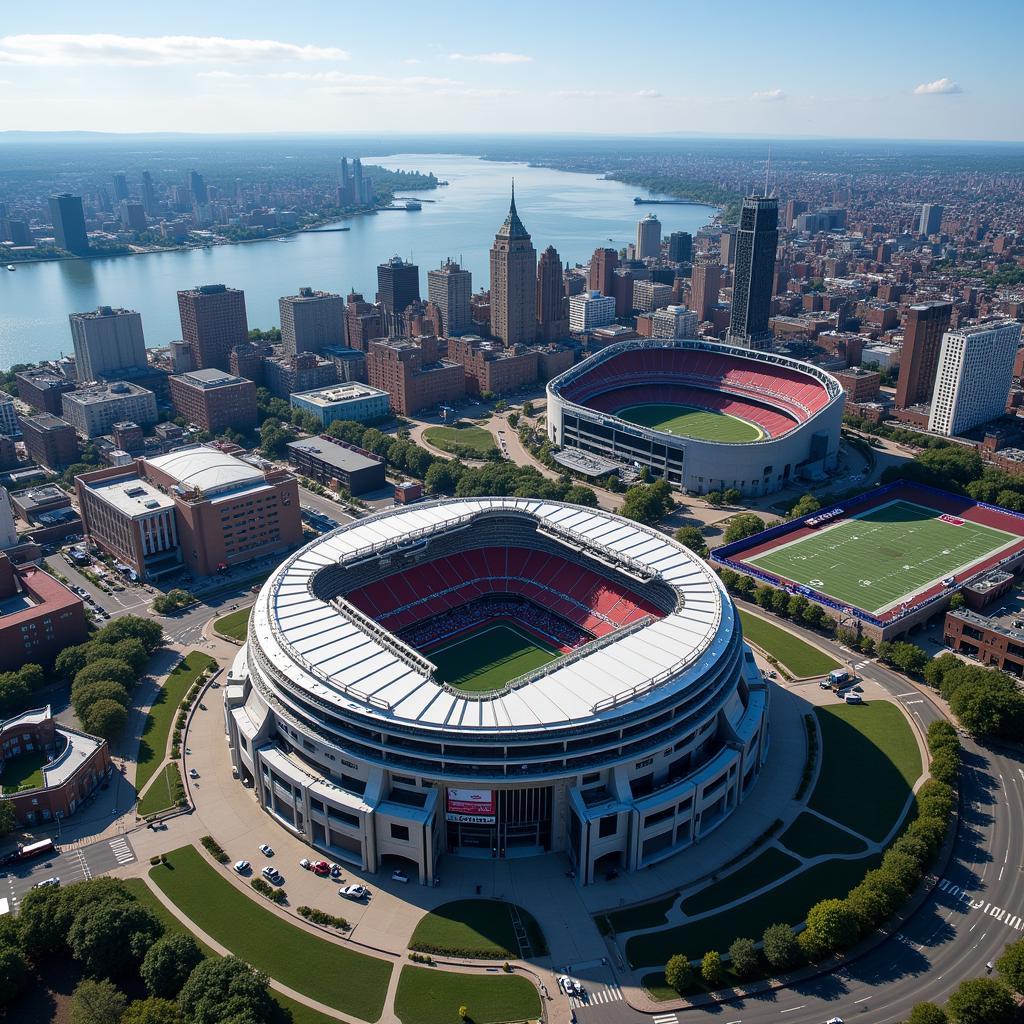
(122, 850)
(595, 996)
(665, 1018)
(1011, 920)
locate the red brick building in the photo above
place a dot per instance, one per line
(859, 384)
(414, 374)
(73, 764)
(39, 616)
(214, 400)
(490, 367)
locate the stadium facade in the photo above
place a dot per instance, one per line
(638, 739)
(797, 409)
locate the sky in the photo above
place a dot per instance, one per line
(899, 69)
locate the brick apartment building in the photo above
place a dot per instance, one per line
(414, 374)
(490, 367)
(214, 400)
(49, 441)
(42, 389)
(859, 384)
(39, 616)
(199, 507)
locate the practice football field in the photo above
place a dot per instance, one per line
(877, 559)
(703, 424)
(489, 658)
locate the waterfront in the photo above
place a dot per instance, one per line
(574, 212)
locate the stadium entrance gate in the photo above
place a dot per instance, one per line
(519, 825)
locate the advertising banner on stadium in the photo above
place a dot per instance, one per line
(473, 806)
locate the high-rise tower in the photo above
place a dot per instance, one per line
(756, 242)
(513, 281)
(69, 223)
(449, 288)
(398, 285)
(551, 320)
(919, 360)
(648, 238)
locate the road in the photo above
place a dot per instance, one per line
(976, 909)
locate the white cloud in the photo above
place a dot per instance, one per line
(940, 87)
(649, 94)
(492, 58)
(768, 95)
(412, 60)
(145, 51)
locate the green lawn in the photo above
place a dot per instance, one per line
(332, 974)
(480, 928)
(24, 771)
(870, 762)
(428, 996)
(644, 915)
(165, 792)
(799, 657)
(234, 624)
(448, 439)
(874, 560)
(786, 903)
(301, 1014)
(160, 719)
(687, 421)
(762, 870)
(809, 836)
(489, 658)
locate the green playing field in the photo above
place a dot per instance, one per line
(877, 559)
(487, 659)
(703, 424)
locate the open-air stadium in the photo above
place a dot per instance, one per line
(496, 677)
(701, 415)
(884, 554)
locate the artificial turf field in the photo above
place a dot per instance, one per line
(874, 560)
(489, 657)
(686, 421)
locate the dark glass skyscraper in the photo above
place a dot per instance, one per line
(756, 242)
(398, 285)
(69, 223)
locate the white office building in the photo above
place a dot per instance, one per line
(648, 238)
(589, 311)
(107, 340)
(974, 376)
(674, 322)
(94, 410)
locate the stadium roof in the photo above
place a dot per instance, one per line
(206, 468)
(310, 639)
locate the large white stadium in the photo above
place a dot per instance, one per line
(790, 411)
(642, 729)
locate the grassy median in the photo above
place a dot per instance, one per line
(476, 928)
(800, 658)
(427, 995)
(234, 624)
(330, 973)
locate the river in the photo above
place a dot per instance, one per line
(574, 212)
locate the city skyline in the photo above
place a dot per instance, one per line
(97, 73)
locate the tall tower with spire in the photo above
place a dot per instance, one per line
(513, 281)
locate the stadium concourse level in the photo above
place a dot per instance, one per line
(775, 399)
(563, 588)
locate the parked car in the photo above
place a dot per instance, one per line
(46, 883)
(335, 871)
(305, 863)
(193, 774)
(266, 849)
(321, 868)
(272, 874)
(854, 698)
(242, 866)
(354, 892)
(399, 876)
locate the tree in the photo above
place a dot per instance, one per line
(274, 439)
(647, 503)
(108, 937)
(711, 970)
(132, 627)
(579, 494)
(8, 817)
(97, 1002)
(955, 602)
(743, 525)
(105, 668)
(833, 925)
(743, 957)
(152, 1011)
(780, 946)
(927, 1013)
(105, 718)
(807, 504)
(982, 1001)
(72, 660)
(764, 596)
(84, 697)
(714, 498)
(42, 930)
(223, 989)
(13, 972)
(168, 963)
(527, 408)
(945, 765)
(693, 539)
(678, 973)
(1011, 966)
(730, 496)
